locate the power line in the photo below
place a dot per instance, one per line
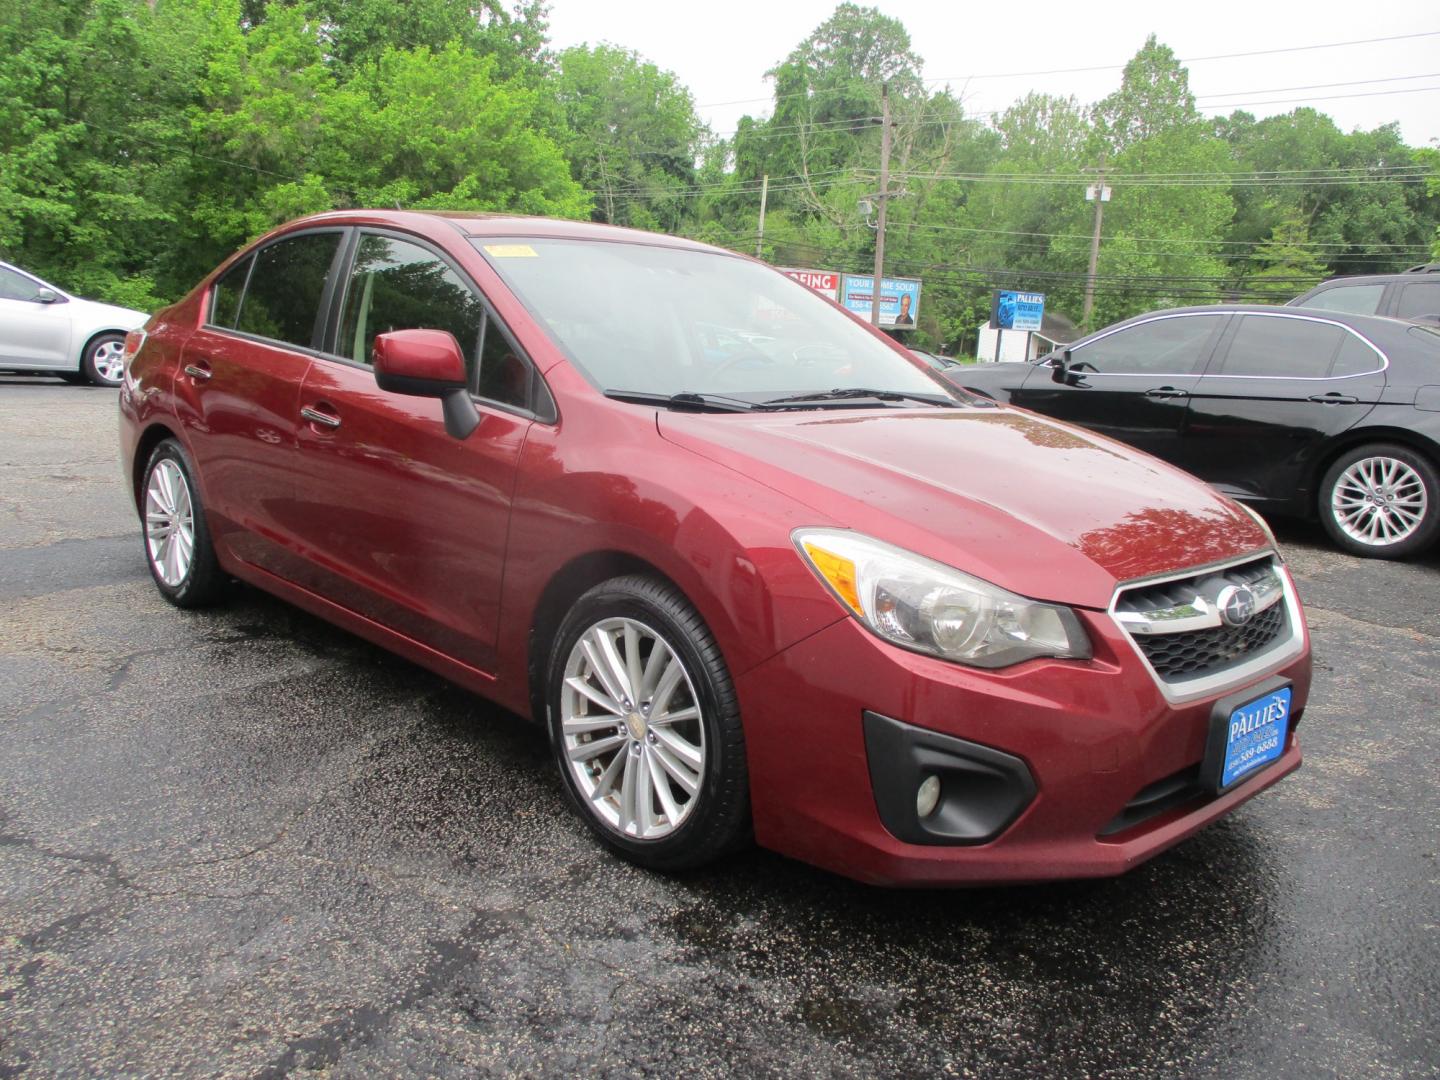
(1319, 86)
(1322, 97)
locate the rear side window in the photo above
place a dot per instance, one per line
(1355, 358)
(1352, 299)
(282, 300)
(1283, 348)
(1418, 298)
(225, 294)
(1160, 347)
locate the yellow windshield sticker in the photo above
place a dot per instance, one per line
(511, 251)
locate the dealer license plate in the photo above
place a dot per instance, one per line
(1255, 735)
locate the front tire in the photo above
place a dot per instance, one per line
(104, 360)
(178, 550)
(645, 726)
(1381, 502)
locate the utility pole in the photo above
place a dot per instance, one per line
(760, 236)
(884, 201)
(1100, 194)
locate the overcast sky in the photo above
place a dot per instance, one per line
(722, 50)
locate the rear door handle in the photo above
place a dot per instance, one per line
(1335, 399)
(1166, 392)
(315, 416)
(199, 371)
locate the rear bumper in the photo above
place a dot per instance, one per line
(1087, 737)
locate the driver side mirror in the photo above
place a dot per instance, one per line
(427, 363)
(1060, 372)
(47, 295)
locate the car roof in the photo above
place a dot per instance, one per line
(1369, 325)
(477, 223)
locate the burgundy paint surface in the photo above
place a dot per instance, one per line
(441, 551)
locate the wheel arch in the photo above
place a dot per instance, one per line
(156, 433)
(565, 586)
(90, 340)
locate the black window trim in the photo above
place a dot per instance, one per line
(320, 316)
(1218, 355)
(539, 392)
(1208, 351)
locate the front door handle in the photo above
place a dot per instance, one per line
(1335, 399)
(1166, 392)
(315, 416)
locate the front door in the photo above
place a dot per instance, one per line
(32, 333)
(1132, 384)
(401, 522)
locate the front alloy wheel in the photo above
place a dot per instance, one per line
(1380, 501)
(645, 726)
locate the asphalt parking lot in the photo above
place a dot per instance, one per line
(243, 843)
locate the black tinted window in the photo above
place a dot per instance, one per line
(1418, 298)
(400, 286)
(15, 286)
(1175, 346)
(225, 295)
(1282, 347)
(1355, 358)
(1354, 299)
(282, 300)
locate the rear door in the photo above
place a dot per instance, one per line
(401, 522)
(1279, 388)
(1133, 383)
(238, 392)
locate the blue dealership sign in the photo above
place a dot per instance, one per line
(1017, 310)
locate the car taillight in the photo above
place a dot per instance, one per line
(133, 340)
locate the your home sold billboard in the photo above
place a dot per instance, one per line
(899, 299)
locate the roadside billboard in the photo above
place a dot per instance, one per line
(825, 282)
(899, 299)
(1017, 310)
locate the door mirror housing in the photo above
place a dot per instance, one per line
(427, 363)
(47, 295)
(1060, 366)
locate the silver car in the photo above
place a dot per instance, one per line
(45, 329)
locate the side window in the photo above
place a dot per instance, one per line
(15, 286)
(1355, 358)
(396, 285)
(282, 300)
(1282, 348)
(1351, 299)
(225, 294)
(1418, 298)
(1160, 347)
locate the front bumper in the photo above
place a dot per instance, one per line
(1097, 740)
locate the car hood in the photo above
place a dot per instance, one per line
(97, 313)
(1035, 506)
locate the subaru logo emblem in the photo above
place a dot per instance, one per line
(1236, 604)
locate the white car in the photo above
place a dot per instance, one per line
(45, 329)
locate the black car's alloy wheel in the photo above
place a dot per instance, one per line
(1380, 502)
(645, 727)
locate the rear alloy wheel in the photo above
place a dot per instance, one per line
(177, 540)
(645, 728)
(104, 360)
(1381, 502)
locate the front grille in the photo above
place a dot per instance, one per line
(1179, 627)
(1179, 656)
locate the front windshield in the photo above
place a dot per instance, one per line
(668, 321)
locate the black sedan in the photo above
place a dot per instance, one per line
(1293, 412)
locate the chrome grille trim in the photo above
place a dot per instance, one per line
(1173, 604)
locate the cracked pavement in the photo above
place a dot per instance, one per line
(243, 843)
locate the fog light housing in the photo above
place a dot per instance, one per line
(927, 796)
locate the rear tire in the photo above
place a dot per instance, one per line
(178, 550)
(645, 726)
(1381, 502)
(103, 363)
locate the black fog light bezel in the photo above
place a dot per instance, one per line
(982, 790)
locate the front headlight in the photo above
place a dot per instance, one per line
(932, 608)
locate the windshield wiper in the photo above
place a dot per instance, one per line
(686, 399)
(845, 393)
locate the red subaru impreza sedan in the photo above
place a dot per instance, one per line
(753, 568)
